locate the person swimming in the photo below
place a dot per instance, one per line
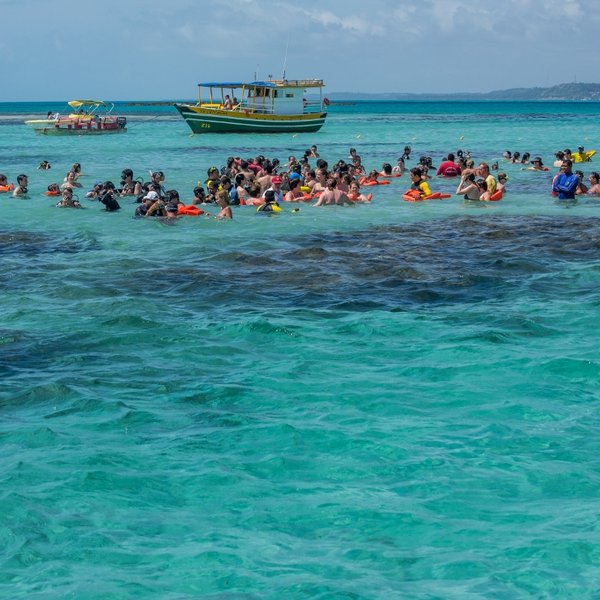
(270, 205)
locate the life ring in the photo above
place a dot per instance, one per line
(497, 195)
(326, 101)
(306, 197)
(7, 188)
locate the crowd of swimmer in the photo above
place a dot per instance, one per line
(266, 183)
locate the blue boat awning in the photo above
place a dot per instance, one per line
(237, 84)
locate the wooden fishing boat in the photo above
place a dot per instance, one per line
(273, 106)
(89, 117)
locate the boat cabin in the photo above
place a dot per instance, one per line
(276, 97)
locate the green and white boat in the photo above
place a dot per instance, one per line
(273, 106)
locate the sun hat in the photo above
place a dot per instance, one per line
(151, 196)
(276, 179)
(294, 175)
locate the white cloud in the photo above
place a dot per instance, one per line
(454, 44)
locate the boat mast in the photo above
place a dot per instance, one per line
(287, 44)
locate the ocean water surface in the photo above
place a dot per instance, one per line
(393, 400)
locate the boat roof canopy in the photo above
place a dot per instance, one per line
(304, 83)
(80, 103)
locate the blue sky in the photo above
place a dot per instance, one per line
(145, 49)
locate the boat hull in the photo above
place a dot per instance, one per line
(206, 120)
(79, 125)
(64, 131)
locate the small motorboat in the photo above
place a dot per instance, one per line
(89, 117)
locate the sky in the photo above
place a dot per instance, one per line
(153, 50)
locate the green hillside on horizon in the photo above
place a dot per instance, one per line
(562, 91)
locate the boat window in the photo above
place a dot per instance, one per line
(289, 95)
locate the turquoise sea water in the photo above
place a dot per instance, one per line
(394, 400)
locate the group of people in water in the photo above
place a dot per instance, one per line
(267, 183)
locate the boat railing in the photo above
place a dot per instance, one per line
(310, 107)
(298, 82)
(242, 107)
(313, 106)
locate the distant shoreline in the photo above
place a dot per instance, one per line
(570, 92)
(564, 92)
